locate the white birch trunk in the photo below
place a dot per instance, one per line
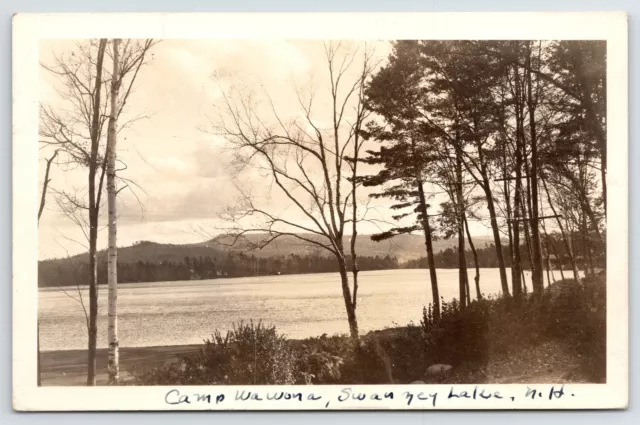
(112, 264)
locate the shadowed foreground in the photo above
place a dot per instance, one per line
(69, 367)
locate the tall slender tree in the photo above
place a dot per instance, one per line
(466, 106)
(308, 164)
(536, 265)
(112, 250)
(77, 131)
(404, 160)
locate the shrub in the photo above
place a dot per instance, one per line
(319, 360)
(576, 314)
(458, 336)
(249, 354)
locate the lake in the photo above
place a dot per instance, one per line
(176, 313)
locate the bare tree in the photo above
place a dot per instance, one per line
(310, 165)
(43, 200)
(78, 135)
(362, 114)
(75, 127)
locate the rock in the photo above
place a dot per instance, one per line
(439, 369)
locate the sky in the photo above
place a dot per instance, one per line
(181, 168)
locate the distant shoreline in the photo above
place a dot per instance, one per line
(123, 284)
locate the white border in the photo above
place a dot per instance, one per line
(28, 29)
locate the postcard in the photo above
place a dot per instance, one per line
(328, 211)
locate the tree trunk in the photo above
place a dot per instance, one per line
(516, 266)
(586, 250)
(517, 275)
(557, 254)
(486, 187)
(354, 222)
(483, 181)
(512, 228)
(591, 263)
(463, 277)
(93, 300)
(463, 281)
(565, 239)
(496, 237)
(94, 207)
(572, 238)
(549, 247)
(475, 260)
(572, 257)
(354, 267)
(112, 262)
(467, 291)
(603, 179)
(536, 269)
(435, 294)
(527, 238)
(346, 293)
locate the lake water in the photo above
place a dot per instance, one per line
(174, 313)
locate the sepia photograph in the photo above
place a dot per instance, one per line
(323, 212)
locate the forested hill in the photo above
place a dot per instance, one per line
(150, 261)
(403, 247)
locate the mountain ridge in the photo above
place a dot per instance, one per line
(403, 247)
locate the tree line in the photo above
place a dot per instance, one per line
(486, 258)
(75, 271)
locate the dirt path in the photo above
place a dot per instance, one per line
(69, 367)
(549, 362)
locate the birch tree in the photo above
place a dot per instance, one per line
(127, 61)
(112, 251)
(75, 127)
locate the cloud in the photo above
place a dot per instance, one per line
(183, 173)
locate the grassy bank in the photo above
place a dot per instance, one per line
(561, 339)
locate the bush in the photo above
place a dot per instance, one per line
(576, 314)
(390, 356)
(458, 336)
(248, 355)
(320, 360)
